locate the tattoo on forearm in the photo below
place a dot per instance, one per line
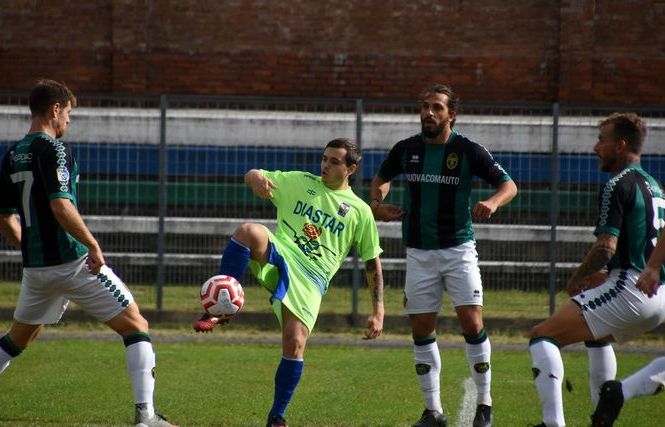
(374, 281)
(596, 259)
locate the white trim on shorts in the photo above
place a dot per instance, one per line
(431, 271)
(46, 292)
(618, 308)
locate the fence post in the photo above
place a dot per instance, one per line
(357, 182)
(554, 204)
(163, 171)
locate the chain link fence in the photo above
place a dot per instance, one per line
(162, 186)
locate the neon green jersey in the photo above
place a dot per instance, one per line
(319, 225)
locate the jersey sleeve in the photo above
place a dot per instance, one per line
(613, 202)
(367, 243)
(7, 190)
(484, 166)
(284, 182)
(392, 165)
(56, 164)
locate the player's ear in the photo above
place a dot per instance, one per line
(352, 169)
(54, 110)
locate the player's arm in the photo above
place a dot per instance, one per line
(504, 193)
(378, 191)
(649, 280)
(261, 186)
(594, 262)
(10, 229)
(68, 217)
(374, 277)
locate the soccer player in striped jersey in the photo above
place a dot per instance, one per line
(631, 216)
(650, 379)
(439, 164)
(62, 261)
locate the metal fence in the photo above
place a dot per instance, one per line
(162, 178)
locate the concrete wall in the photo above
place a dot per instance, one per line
(532, 134)
(590, 51)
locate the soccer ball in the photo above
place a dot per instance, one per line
(222, 296)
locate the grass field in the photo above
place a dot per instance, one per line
(69, 382)
(509, 303)
(75, 375)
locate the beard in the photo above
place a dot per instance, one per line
(432, 133)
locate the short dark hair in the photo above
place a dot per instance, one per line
(453, 99)
(353, 155)
(629, 127)
(47, 93)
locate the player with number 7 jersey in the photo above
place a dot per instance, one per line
(35, 170)
(62, 260)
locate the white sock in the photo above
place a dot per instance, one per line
(548, 376)
(646, 381)
(478, 356)
(428, 369)
(5, 360)
(140, 363)
(602, 367)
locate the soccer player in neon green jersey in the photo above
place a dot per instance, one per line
(439, 164)
(62, 260)
(319, 219)
(631, 216)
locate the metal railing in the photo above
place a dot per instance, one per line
(160, 160)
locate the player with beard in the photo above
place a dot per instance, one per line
(631, 215)
(439, 164)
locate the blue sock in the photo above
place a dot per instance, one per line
(286, 380)
(234, 260)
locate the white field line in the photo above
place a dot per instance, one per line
(467, 405)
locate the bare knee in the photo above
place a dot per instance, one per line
(255, 237)
(423, 325)
(247, 233)
(470, 318)
(535, 332)
(293, 347)
(129, 321)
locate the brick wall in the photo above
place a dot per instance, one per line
(599, 51)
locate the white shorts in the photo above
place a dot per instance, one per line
(431, 271)
(46, 292)
(619, 308)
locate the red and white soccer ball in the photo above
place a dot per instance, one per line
(222, 296)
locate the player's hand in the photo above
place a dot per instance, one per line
(649, 281)
(95, 260)
(262, 187)
(483, 210)
(387, 212)
(374, 327)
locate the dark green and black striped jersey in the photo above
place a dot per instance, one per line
(437, 211)
(34, 171)
(632, 208)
